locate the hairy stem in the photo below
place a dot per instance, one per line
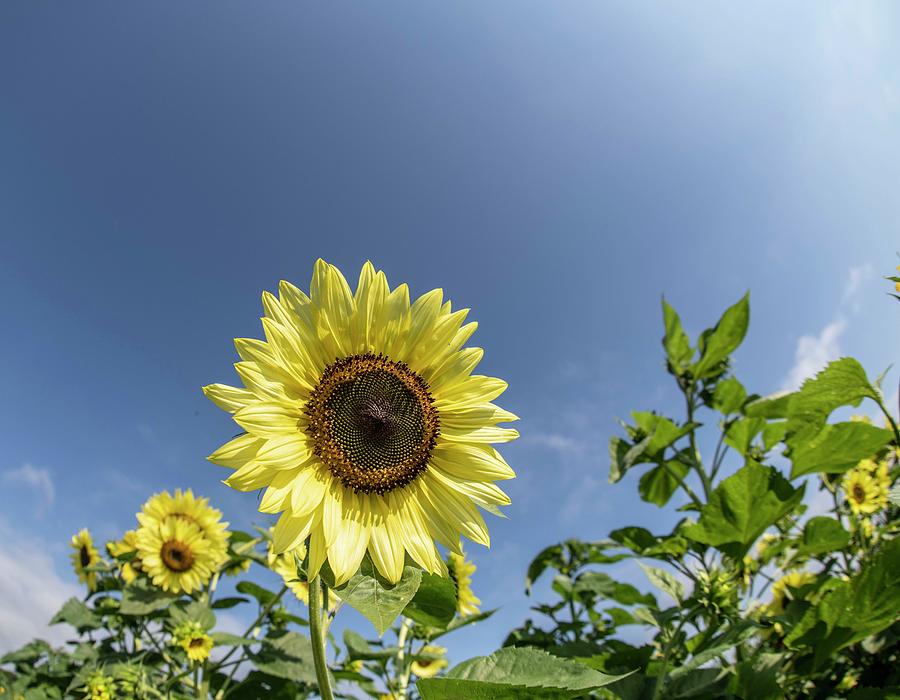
(318, 638)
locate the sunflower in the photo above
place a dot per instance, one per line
(285, 565)
(85, 556)
(128, 570)
(781, 589)
(866, 493)
(461, 570)
(431, 663)
(191, 637)
(175, 555)
(365, 424)
(100, 687)
(186, 506)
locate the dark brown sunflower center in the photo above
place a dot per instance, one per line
(176, 556)
(859, 493)
(84, 556)
(195, 642)
(373, 422)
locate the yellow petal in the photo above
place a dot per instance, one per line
(290, 532)
(228, 398)
(285, 452)
(474, 390)
(307, 491)
(457, 510)
(483, 493)
(317, 548)
(269, 418)
(237, 452)
(385, 546)
(411, 528)
(278, 496)
(250, 477)
(471, 462)
(349, 546)
(487, 434)
(455, 369)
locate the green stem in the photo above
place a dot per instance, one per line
(403, 666)
(318, 639)
(695, 452)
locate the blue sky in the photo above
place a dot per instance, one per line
(555, 167)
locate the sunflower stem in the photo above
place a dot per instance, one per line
(318, 638)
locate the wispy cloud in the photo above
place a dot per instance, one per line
(31, 591)
(558, 442)
(37, 479)
(815, 351)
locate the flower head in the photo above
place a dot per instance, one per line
(99, 687)
(365, 424)
(429, 661)
(175, 555)
(782, 590)
(84, 557)
(128, 570)
(191, 637)
(185, 506)
(865, 492)
(461, 570)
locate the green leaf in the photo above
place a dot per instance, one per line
(842, 383)
(142, 598)
(549, 556)
(894, 494)
(194, 611)
(380, 601)
(224, 639)
(742, 507)
(774, 406)
(604, 586)
(657, 485)
(512, 673)
(358, 648)
(623, 455)
(286, 656)
(822, 534)
(675, 341)
(223, 603)
(724, 338)
(263, 595)
(664, 581)
(77, 614)
(637, 539)
(835, 448)
(661, 430)
(740, 434)
(852, 610)
(729, 396)
(434, 604)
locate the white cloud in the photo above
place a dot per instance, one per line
(814, 352)
(31, 591)
(855, 279)
(36, 478)
(558, 442)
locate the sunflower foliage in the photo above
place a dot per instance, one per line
(782, 576)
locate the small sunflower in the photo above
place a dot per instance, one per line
(85, 556)
(99, 687)
(430, 661)
(365, 424)
(128, 570)
(285, 565)
(196, 643)
(186, 506)
(461, 570)
(781, 590)
(175, 555)
(866, 493)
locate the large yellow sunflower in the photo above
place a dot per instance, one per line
(186, 506)
(175, 555)
(431, 662)
(84, 556)
(365, 424)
